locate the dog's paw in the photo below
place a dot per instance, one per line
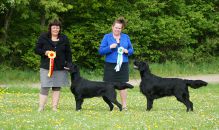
(78, 110)
(148, 110)
(125, 109)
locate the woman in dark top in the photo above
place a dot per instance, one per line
(116, 46)
(53, 41)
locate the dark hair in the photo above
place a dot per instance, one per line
(52, 23)
(120, 20)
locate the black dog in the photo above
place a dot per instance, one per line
(83, 88)
(154, 87)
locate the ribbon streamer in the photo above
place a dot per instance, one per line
(119, 59)
(51, 56)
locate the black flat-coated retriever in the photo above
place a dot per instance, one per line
(154, 87)
(83, 88)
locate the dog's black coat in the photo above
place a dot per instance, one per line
(83, 88)
(154, 87)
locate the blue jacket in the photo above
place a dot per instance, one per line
(111, 54)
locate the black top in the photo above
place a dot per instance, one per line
(62, 49)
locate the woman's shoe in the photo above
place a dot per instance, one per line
(55, 109)
(124, 108)
(40, 109)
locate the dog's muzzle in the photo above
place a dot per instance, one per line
(135, 67)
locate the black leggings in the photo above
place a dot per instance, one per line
(45, 90)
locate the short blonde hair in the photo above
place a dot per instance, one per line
(120, 20)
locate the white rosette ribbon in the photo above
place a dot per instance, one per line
(119, 59)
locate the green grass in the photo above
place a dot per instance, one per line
(174, 69)
(169, 69)
(18, 110)
(14, 76)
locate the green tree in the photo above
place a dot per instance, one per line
(160, 30)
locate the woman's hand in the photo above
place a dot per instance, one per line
(125, 51)
(46, 53)
(114, 45)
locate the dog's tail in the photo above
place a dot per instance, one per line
(121, 86)
(195, 83)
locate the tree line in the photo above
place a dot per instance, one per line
(160, 30)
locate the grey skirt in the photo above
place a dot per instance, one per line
(59, 78)
(111, 75)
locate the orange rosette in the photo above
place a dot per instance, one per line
(51, 56)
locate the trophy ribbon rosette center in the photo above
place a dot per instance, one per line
(51, 56)
(119, 59)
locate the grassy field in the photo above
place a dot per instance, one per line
(19, 103)
(171, 69)
(18, 110)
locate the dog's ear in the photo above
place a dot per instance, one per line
(142, 66)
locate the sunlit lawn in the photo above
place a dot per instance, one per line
(18, 110)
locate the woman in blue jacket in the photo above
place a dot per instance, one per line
(117, 47)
